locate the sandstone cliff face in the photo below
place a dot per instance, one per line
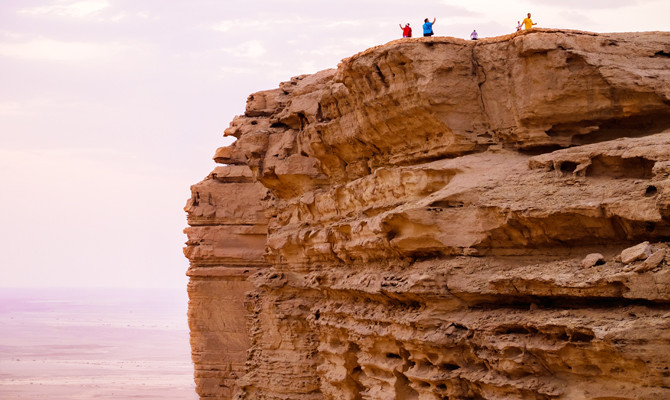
(443, 219)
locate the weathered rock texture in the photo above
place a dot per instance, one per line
(443, 219)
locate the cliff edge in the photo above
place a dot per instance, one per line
(443, 219)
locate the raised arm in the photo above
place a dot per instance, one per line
(434, 19)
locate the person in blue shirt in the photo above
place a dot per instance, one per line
(428, 27)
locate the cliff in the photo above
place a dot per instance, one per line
(443, 219)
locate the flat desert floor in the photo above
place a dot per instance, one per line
(94, 344)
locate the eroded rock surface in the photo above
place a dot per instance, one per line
(443, 219)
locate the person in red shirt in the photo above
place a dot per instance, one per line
(406, 31)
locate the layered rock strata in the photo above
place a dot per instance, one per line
(226, 242)
(443, 219)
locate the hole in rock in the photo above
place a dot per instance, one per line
(254, 122)
(303, 120)
(319, 113)
(446, 204)
(403, 388)
(516, 330)
(537, 150)
(393, 355)
(582, 337)
(649, 226)
(512, 352)
(618, 167)
(413, 305)
(442, 386)
(651, 191)
(317, 315)
(459, 326)
(661, 53)
(381, 75)
(450, 367)
(605, 130)
(278, 125)
(426, 254)
(568, 166)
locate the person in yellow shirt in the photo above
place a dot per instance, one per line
(528, 23)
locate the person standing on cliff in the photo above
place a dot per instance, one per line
(519, 25)
(474, 35)
(528, 23)
(406, 31)
(428, 27)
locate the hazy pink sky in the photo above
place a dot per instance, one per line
(110, 109)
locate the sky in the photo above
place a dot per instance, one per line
(111, 109)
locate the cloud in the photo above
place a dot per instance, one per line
(249, 49)
(14, 109)
(45, 106)
(44, 49)
(587, 5)
(92, 10)
(576, 20)
(10, 35)
(76, 9)
(340, 24)
(450, 10)
(72, 205)
(254, 25)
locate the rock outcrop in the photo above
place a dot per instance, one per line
(443, 219)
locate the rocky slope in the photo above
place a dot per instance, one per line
(443, 219)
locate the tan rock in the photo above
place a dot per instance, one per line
(637, 252)
(223, 155)
(592, 260)
(263, 104)
(406, 226)
(226, 243)
(232, 174)
(652, 262)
